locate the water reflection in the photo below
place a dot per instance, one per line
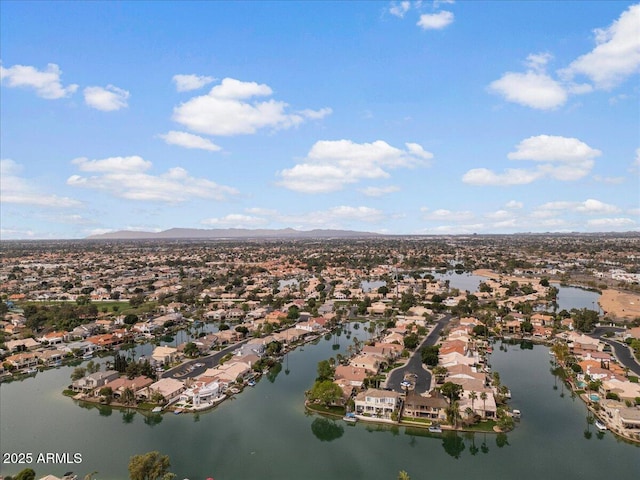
(453, 444)
(274, 371)
(502, 440)
(326, 430)
(153, 419)
(128, 415)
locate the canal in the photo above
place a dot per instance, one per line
(265, 433)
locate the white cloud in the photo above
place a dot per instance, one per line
(589, 207)
(398, 9)
(538, 61)
(514, 204)
(500, 215)
(435, 21)
(107, 99)
(330, 165)
(560, 158)
(565, 158)
(511, 176)
(265, 212)
(185, 83)
(235, 220)
(616, 55)
(609, 180)
(124, 177)
(379, 191)
(336, 217)
(615, 58)
(611, 222)
(533, 89)
(316, 114)
(10, 233)
(448, 215)
(636, 161)
(132, 164)
(46, 83)
(189, 140)
(456, 229)
(228, 110)
(592, 206)
(18, 190)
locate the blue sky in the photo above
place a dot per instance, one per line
(393, 117)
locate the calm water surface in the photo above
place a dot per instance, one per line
(265, 433)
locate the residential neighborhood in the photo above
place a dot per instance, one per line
(215, 317)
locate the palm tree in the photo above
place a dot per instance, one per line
(473, 396)
(469, 413)
(402, 475)
(128, 396)
(483, 397)
(453, 413)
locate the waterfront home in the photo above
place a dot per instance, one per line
(164, 355)
(619, 416)
(350, 375)
(370, 362)
(169, 388)
(205, 389)
(94, 380)
(105, 341)
(119, 385)
(229, 372)
(432, 407)
(23, 360)
(377, 403)
(82, 348)
(52, 357)
(485, 408)
(624, 389)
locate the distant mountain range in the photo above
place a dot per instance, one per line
(230, 233)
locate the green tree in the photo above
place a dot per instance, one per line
(402, 475)
(325, 391)
(440, 372)
(191, 350)
(411, 341)
(150, 466)
(26, 474)
(78, 373)
(325, 371)
(483, 397)
(128, 396)
(429, 355)
(451, 390)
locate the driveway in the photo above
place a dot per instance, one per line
(189, 370)
(622, 352)
(414, 365)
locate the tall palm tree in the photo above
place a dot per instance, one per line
(473, 396)
(483, 397)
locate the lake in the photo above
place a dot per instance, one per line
(265, 433)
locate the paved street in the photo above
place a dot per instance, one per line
(189, 370)
(622, 352)
(414, 365)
